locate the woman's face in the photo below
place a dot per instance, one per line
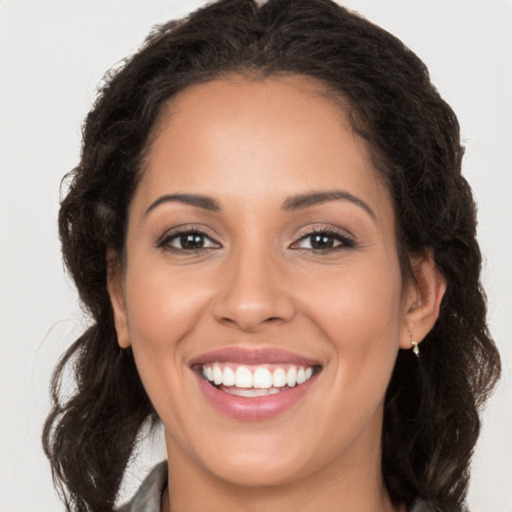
(260, 252)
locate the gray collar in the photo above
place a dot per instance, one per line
(149, 496)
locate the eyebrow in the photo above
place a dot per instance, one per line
(297, 202)
(199, 201)
(307, 200)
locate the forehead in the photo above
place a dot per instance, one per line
(251, 138)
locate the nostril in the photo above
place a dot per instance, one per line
(227, 320)
(252, 311)
(248, 324)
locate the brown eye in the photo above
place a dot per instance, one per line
(323, 241)
(188, 241)
(320, 241)
(191, 241)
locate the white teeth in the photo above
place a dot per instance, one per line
(262, 378)
(243, 377)
(291, 376)
(229, 377)
(217, 375)
(279, 378)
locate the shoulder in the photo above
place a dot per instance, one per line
(149, 495)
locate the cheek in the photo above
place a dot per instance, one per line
(362, 296)
(163, 308)
(363, 312)
(162, 305)
(360, 314)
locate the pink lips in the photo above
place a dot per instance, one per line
(253, 357)
(253, 408)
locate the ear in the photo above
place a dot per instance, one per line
(115, 287)
(422, 299)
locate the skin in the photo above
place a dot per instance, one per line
(257, 282)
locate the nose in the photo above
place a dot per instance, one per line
(253, 292)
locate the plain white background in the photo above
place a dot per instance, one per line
(54, 53)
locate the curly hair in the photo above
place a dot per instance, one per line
(431, 418)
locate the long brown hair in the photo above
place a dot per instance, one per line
(431, 420)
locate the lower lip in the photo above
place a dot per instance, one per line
(254, 408)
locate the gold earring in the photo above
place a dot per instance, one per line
(415, 346)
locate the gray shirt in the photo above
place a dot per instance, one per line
(149, 496)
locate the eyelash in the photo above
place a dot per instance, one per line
(334, 236)
(165, 241)
(345, 242)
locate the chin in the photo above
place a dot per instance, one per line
(255, 470)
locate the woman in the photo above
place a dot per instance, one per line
(270, 230)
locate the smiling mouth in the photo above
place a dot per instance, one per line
(255, 380)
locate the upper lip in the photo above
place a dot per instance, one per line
(246, 356)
